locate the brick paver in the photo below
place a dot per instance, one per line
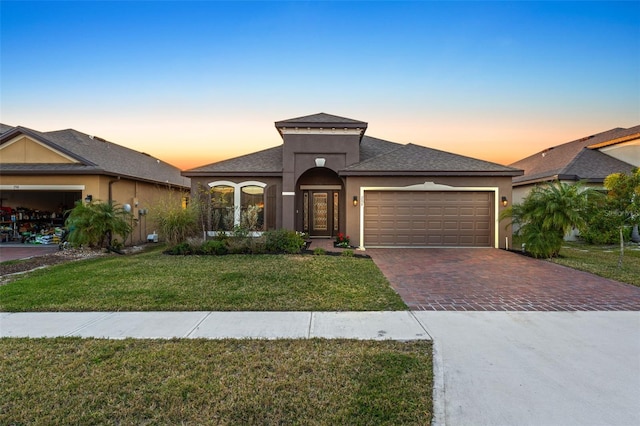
(21, 251)
(497, 280)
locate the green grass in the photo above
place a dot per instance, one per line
(152, 281)
(131, 382)
(602, 261)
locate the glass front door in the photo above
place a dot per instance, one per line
(321, 213)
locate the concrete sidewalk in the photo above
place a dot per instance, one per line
(401, 325)
(490, 368)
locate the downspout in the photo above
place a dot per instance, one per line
(111, 182)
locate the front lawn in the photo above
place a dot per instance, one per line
(152, 281)
(131, 382)
(602, 261)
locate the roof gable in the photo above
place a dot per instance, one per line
(26, 150)
(594, 166)
(95, 155)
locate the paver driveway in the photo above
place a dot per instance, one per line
(497, 280)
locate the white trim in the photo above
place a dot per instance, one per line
(42, 187)
(435, 187)
(237, 185)
(319, 131)
(222, 183)
(321, 187)
(237, 194)
(288, 193)
(253, 234)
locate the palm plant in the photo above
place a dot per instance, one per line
(548, 213)
(94, 224)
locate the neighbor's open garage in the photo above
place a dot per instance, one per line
(428, 218)
(31, 211)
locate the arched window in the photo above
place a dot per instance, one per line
(237, 204)
(252, 207)
(222, 207)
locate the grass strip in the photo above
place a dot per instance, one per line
(127, 382)
(602, 261)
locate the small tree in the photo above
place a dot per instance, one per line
(94, 224)
(623, 202)
(548, 213)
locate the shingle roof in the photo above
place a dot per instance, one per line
(268, 161)
(5, 128)
(320, 118)
(372, 147)
(377, 157)
(96, 155)
(574, 160)
(415, 159)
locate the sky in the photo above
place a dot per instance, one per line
(192, 83)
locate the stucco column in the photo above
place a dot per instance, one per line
(288, 200)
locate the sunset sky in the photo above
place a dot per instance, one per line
(197, 82)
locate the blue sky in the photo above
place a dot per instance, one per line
(196, 82)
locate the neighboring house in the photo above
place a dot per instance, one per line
(328, 178)
(43, 174)
(590, 159)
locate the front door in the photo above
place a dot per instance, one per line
(321, 213)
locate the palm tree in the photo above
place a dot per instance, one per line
(548, 213)
(95, 223)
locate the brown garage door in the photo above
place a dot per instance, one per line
(424, 219)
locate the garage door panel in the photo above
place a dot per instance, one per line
(467, 226)
(467, 211)
(425, 219)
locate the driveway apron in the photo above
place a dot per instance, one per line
(457, 279)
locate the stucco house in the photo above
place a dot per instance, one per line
(590, 159)
(328, 177)
(43, 174)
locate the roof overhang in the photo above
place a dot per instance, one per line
(560, 177)
(464, 173)
(90, 172)
(230, 174)
(615, 141)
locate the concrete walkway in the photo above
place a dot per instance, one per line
(491, 368)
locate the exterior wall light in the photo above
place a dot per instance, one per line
(505, 201)
(355, 200)
(88, 199)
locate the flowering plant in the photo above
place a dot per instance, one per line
(342, 240)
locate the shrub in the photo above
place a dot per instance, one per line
(319, 251)
(181, 249)
(283, 241)
(94, 224)
(217, 247)
(602, 228)
(347, 253)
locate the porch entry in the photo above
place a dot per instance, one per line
(321, 211)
